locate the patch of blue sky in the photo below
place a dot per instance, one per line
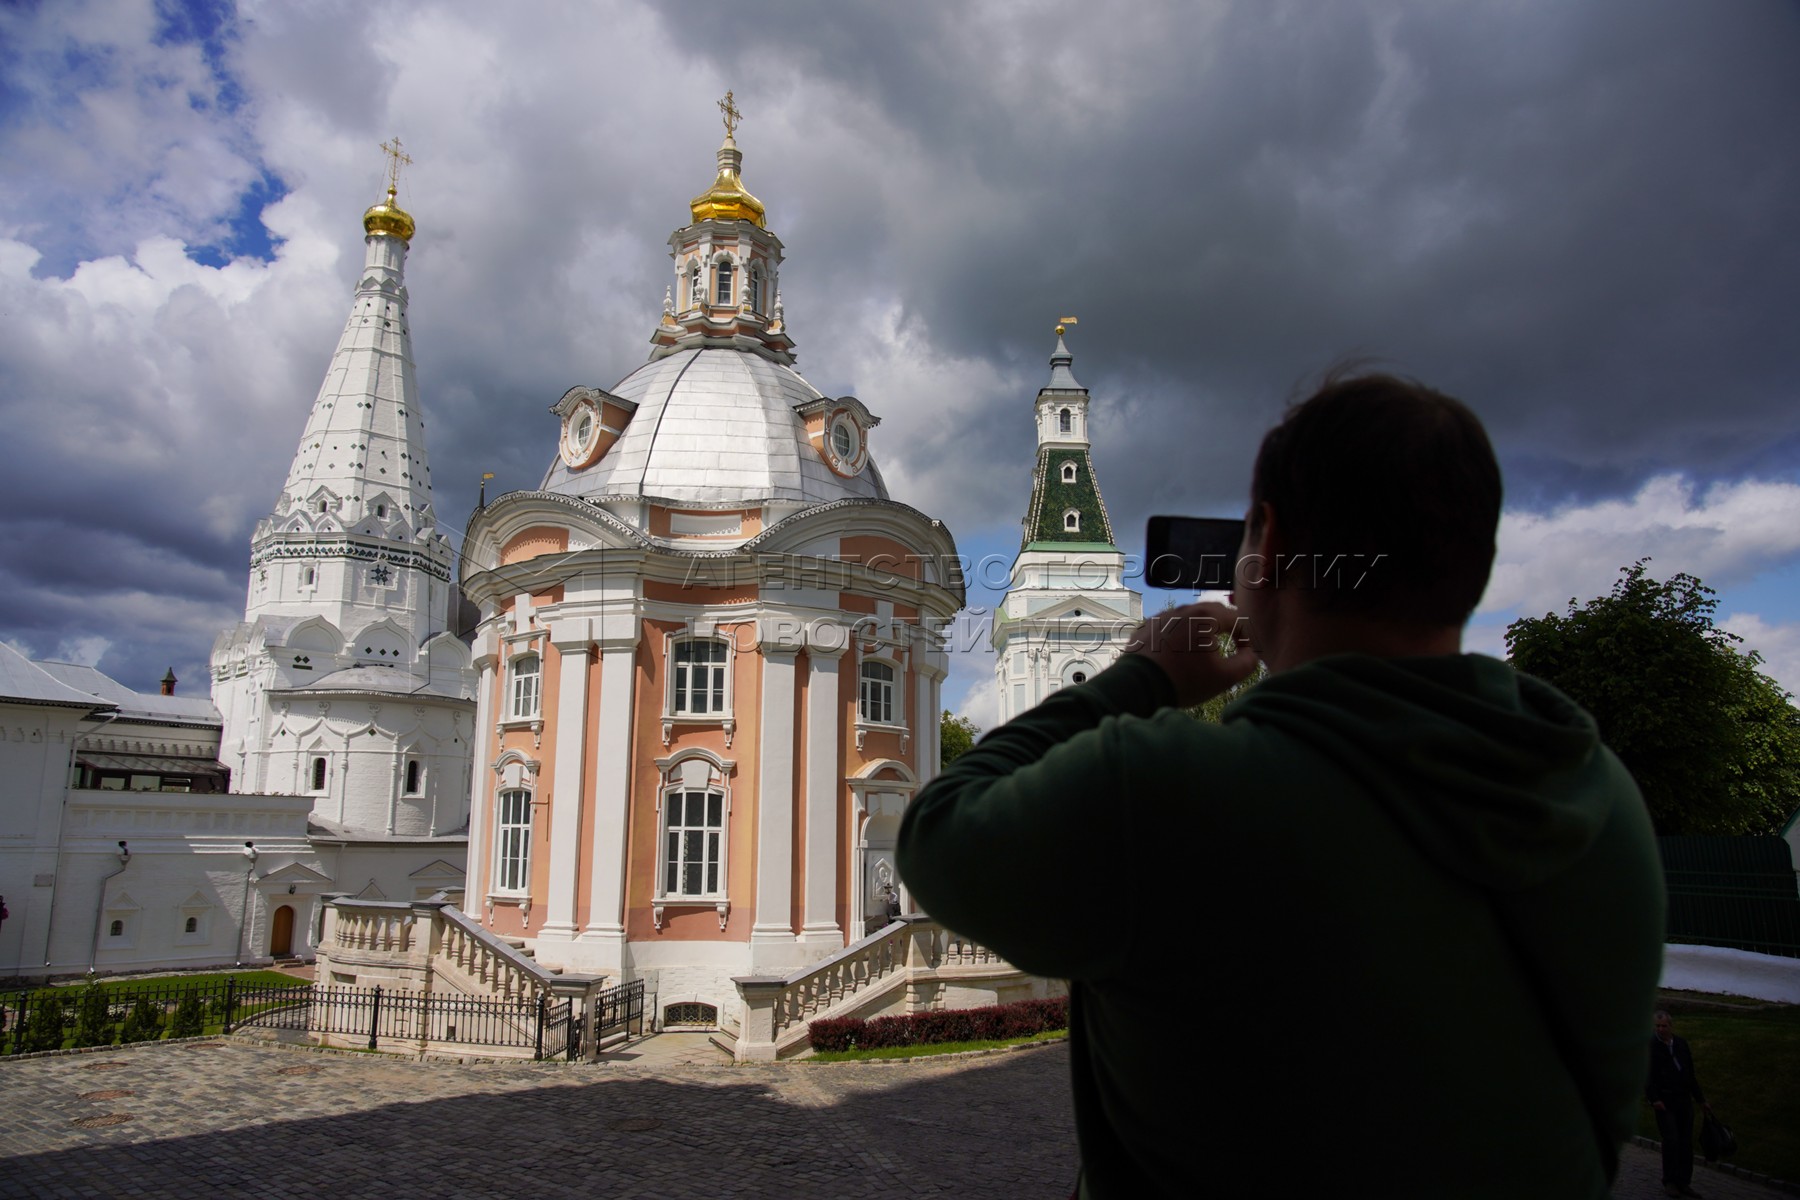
(1774, 595)
(248, 236)
(211, 24)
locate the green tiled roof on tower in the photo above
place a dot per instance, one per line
(1053, 500)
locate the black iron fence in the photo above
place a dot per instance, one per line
(1732, 891)
(98, 1015)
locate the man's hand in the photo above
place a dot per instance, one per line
(1189, 644)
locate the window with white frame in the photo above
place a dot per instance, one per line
(415, 774)
(693, 836)
(526, 670)
(875, 701)
(722, 273)
(697, 677)
(1069, 472)
(1065, 421)
(512, 842)
(1072, 521)
(756, 289)
(318, 774)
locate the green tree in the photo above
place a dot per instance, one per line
(43, 1029)
(1213, 711)
(955, 736)
(1713, 743)
(93, 1017)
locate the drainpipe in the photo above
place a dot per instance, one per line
(100, 904)
(244, 911)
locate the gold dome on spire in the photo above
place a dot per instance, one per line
(727, 199)
(389, 218)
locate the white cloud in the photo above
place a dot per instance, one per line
(1778, 642)
(1724, 534)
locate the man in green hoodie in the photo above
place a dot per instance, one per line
(1398, 919)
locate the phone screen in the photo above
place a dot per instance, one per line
(1192, 552)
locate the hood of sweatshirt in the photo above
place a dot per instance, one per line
(1491, 773)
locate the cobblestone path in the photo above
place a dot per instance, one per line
(242, 1119)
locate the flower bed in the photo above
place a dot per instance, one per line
(994, 1023)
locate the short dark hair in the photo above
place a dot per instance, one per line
(1374, 464)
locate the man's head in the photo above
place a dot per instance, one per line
(1373, 465)
(1665, 1026)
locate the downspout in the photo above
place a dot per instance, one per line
(244, 910)
(62, 823)
(100, 904)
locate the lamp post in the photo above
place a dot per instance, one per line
(100, 905)
(244, 911)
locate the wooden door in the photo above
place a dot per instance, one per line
(281, 932)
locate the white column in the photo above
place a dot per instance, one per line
(931, 728)
(570, 732)
(824, 782)
(481, 788)
(775, 798)
(612, 791)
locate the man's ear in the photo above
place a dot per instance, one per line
(1262, 531)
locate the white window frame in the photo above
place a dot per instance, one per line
(1069, 473)
(515, 711)
(722, 282)
(1065, 421)
(677, 834)
(412, 765)
(678, 692)
(512, 842)
(756, 288)
(318, 773)
(1071, 521)
(876, 698)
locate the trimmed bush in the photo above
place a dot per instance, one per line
(43, 1029)
(93, 1017)
(998, 1022)
(142, 1024)
(189, 1019)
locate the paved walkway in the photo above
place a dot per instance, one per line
(666, 1118)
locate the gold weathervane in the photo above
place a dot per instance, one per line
(1061, 321)
(732, 116)
(396, 156)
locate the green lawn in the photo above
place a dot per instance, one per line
(1049, 1035)
(1748, 1061)
(166, 991)
(188, 982)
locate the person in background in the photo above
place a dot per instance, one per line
(1672, 1090)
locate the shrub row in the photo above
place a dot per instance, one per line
(993, 1023)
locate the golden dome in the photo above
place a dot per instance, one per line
(726, 199)
(389, 218)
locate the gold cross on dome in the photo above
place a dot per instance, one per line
(732, 115)
(396, 156)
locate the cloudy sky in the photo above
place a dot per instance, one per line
(1577, 217)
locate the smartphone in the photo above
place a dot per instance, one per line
(1197, 553)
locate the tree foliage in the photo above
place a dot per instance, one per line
(1713, 743)
(955, 736)
(93, 1017)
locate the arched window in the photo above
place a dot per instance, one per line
(512, 845)
(876, 698)
(321, 506)
(1065, 421)
(692, 835)
(525, 672)
(698, 678)
(1068, 472)
(318, 774)
(1071, 522)
(191, 925)
(116, 929)
(722, 294)
(380, 511)
(755, 289)
(413, 772)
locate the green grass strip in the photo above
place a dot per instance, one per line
(825, 1056)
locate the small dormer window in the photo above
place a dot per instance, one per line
(321, 506)
(1065, 421)
(1071, 522)
(308, 576)
(380, 512)
(722, 294)
(1069, 472)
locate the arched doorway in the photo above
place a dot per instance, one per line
(281, 932)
